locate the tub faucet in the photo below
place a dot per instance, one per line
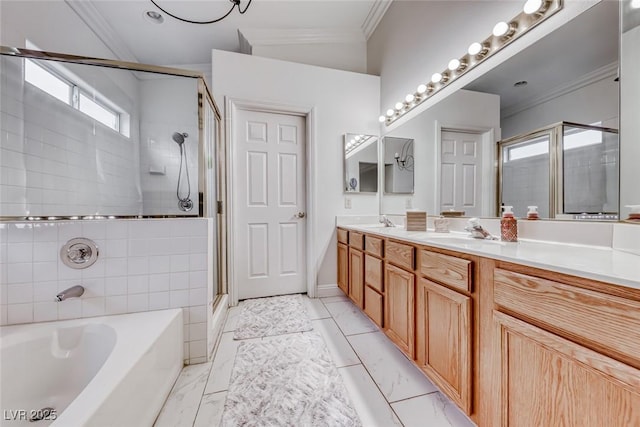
(74, 291)
(476, 230)
(386, 221)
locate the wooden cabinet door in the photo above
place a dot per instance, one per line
(399, 308)
(356, 277)
(443, 340)
(546, 380)
(343, 268)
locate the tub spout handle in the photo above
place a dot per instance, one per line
(74, 291)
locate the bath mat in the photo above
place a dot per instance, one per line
(262, 317)
(287, 381)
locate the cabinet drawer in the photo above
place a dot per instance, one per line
(373, 305)
(343, 236)
(400, 255)
(603, 322)
(356, 240)
(374, 245)
(448, 270)
(373, 273)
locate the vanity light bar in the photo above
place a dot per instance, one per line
(534, 12)
(355, 142)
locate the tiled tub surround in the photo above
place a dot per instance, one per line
(144, 265)
(608, 252)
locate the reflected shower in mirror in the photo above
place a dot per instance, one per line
(360, 163)
(398, 164)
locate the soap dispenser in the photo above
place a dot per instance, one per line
(508, 225)
(533, 212)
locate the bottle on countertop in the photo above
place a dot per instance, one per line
(508, 225)
(533, 212)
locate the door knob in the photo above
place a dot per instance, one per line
(300, 214)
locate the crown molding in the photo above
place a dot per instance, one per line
(378, 9)
(90, 15)
(271, 37)
(608, 71)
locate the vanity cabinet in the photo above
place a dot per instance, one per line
(399, 308)
(444, 338)
(356, 268)
(343, 260)
(563, 354)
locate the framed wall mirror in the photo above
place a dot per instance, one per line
(92, 138)
(398, 165)
(538, 87)
(360, 163)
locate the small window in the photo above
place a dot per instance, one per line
(47, 81)
(531, 149)
(98, 111)
(578, 138)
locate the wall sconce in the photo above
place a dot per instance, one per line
(534, 12)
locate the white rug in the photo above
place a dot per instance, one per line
(287, 381)
(262, 317)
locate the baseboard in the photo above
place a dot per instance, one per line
(329, 290)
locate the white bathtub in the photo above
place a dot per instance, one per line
(101, 371)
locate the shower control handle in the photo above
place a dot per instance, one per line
(300, 214)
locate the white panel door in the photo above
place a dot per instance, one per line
(461, 165)
(269, 204)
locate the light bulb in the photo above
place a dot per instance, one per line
(390, 112)
(454, 64)
(409, 98)
(436, 78)
(357, 137)
(399, 106)
(422, 89)
(500, 29)
(381, 119)
(532, 6)
(635, 4)
(475, 48)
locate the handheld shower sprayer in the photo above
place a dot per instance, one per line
(184, 203)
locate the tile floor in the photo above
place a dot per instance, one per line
(386, 389)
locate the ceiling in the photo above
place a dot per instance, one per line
(584, 46)
(123, 26)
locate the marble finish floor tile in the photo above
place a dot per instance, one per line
(339, 348)
(349, 318)
(396, 376)
(232, 318)
(315, 308)
(370, 404)
(181, 406)
(337, 298)
(433, 410)
(211, 409)
(222, 364)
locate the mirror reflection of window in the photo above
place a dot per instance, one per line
(360, 163)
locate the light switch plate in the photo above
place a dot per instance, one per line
(408, 203)
(347, 203)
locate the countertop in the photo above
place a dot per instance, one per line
(592, 262)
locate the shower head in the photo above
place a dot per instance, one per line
(179, 137)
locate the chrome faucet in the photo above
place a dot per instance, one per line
(386, 221)
(476, 230)
(74, 291)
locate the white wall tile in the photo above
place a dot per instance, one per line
(197, 296)
(117, 230)
(179, 263)
(198, 314)
(93, 307)
(20, 272)
(115, 248)
(138, 265)
(45, 291)
(45, 271)
(116, 304)
(160, 264)
(70, 309)
(45, 311)
(197, 331)
(179, 281)
(159, 282)
(198, 279)
(20, 293)
(21, 252)
(115, 286)
(158, 300)
(20, 232)
(19, 313)
(45, 251)
(197, 262)
(137, 302)
(115, 267)
(197, 349)
(179, 299)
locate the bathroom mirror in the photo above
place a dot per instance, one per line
(360, 163)
(80, 139)
(398, 165)
(544, 84)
